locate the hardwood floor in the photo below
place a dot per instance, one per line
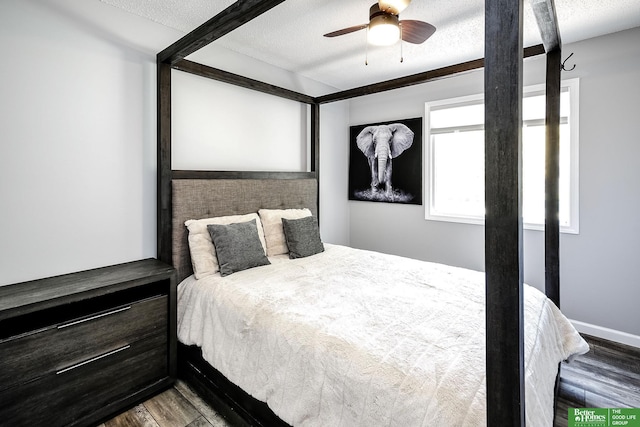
(606, 377)
(176, 407)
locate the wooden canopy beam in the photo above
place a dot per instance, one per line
(414, 79)
(503, 221)
(418, 78)
(546, 17)
(234, 16)
(238, 80)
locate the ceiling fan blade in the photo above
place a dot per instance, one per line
(346, 30)
(416, 31)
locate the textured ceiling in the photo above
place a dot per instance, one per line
(290, 35)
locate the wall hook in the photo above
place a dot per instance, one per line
(563, 62)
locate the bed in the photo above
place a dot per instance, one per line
(503, 65)
(347, 337)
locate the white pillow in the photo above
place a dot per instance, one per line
(273, 231)
(203, 254)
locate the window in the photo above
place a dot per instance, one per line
(454, 131)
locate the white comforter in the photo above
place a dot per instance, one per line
(357, 338)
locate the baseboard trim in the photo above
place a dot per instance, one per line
(607, 334)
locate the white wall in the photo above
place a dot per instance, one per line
(600, 271)
(77, 169)
(216, 126)
(334, 167)
(77, 162)
(602, 265)
(78, 129)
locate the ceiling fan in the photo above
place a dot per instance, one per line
(385, 27)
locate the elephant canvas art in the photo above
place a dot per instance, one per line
(386, 162)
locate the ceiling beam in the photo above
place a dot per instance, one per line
(238, 80)
(545, 12)
(223, 23)
(415, 79)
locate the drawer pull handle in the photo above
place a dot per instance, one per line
(97, 316)
(93, 359)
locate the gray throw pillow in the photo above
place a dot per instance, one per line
(237, 246)
(302, 236)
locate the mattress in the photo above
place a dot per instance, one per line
(350, 337)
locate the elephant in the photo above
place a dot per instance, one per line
(380, 144)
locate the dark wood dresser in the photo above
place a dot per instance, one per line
(77, 348)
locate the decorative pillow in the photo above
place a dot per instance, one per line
(237, 246)
(272, 225)
(203, 254)
(303, 237)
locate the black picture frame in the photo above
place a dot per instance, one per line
(406, 175)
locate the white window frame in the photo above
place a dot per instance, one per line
(574, 174)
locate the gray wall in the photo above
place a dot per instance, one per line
(600, 268)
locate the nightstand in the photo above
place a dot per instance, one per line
(77, 348)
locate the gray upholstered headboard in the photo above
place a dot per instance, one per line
(207, 198)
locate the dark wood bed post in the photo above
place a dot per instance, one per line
(545, 13)
(164, 163)
(315, 146)
(552, 175)
(503, 187)
(503, 221)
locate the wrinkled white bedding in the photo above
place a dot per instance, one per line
(357, 338)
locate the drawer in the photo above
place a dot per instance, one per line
(29, 356)
(74, 393)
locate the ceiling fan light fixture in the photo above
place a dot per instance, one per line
(384, 30)
(393, 6)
